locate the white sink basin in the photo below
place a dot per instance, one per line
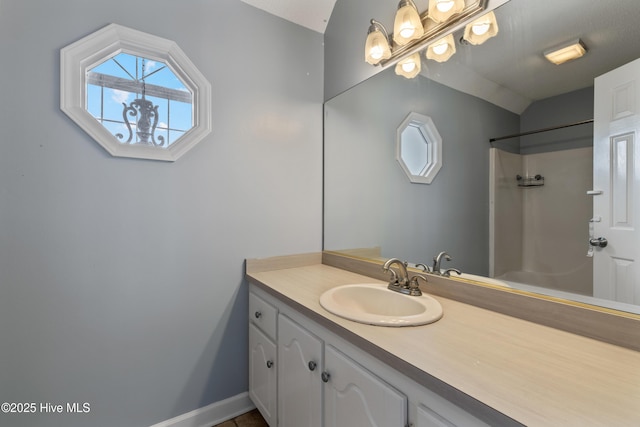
(374, 304)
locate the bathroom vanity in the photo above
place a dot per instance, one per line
(473, 367)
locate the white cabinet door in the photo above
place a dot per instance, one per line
(299, 383)
(355, 397)
(262, 374)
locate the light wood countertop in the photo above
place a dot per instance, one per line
(536, 375)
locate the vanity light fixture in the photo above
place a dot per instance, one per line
(410, 66)
(442, 10)
(442, 49)
(377, 46)
(431, 31)
(566, 52)
(408, 24)
(481, 29)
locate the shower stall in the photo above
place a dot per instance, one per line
(540, 211)
(539, 216)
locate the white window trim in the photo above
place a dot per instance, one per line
(434, 143)
(107, 42)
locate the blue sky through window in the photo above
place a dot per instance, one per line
(119, 80)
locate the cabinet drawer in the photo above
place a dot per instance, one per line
(263, 315)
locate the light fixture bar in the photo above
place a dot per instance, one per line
(434, 31)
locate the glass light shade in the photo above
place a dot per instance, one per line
(565, 53)
(444, 6)
(377, 45)
(409, 67)
(442, 10)
(481, 29)
(407, 25)
(442, 49)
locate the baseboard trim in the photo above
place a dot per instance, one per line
(212, 414)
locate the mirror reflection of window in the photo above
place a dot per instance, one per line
(415, 151)
(418, 148)
(139, 100)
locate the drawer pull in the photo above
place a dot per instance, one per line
(269, 364)
(258, 314)
(312, 365)
(325, 377)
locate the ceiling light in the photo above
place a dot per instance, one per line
(442, 10)
(442, 49)
(409, 67)
(481, 29)
(377, 45)
(567, 52)
(408, 24)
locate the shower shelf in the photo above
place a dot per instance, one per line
(530, 181)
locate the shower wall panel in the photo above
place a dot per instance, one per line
(556, 218)
(542, 232)
(506, 203)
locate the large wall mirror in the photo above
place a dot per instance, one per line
(501, 88)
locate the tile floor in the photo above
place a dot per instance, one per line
(250, 419)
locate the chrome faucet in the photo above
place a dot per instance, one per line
(400, 282)
(437, 260)
(403, 279)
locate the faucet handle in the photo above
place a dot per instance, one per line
(423, 267)
(414, 288)
(447, 272)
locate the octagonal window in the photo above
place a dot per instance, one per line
(136, 94)
(419, 148)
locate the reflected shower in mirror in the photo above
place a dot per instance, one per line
(475, 209)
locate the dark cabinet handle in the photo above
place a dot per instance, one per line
(312, 365)
(269, 364)
(325, 377)
(258, 314)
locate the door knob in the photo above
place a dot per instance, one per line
(325, 376)
(599, 242)
(312, 365)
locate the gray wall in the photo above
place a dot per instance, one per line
(121, 280)
(558, 110)
(344, 41)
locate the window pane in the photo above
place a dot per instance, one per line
(118, 84)
(181, 115)
(94, 100)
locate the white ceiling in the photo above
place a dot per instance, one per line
(312, 14)
(509, 69)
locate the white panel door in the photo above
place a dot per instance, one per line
(354, 397)
(616, 174)
(299, 383)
